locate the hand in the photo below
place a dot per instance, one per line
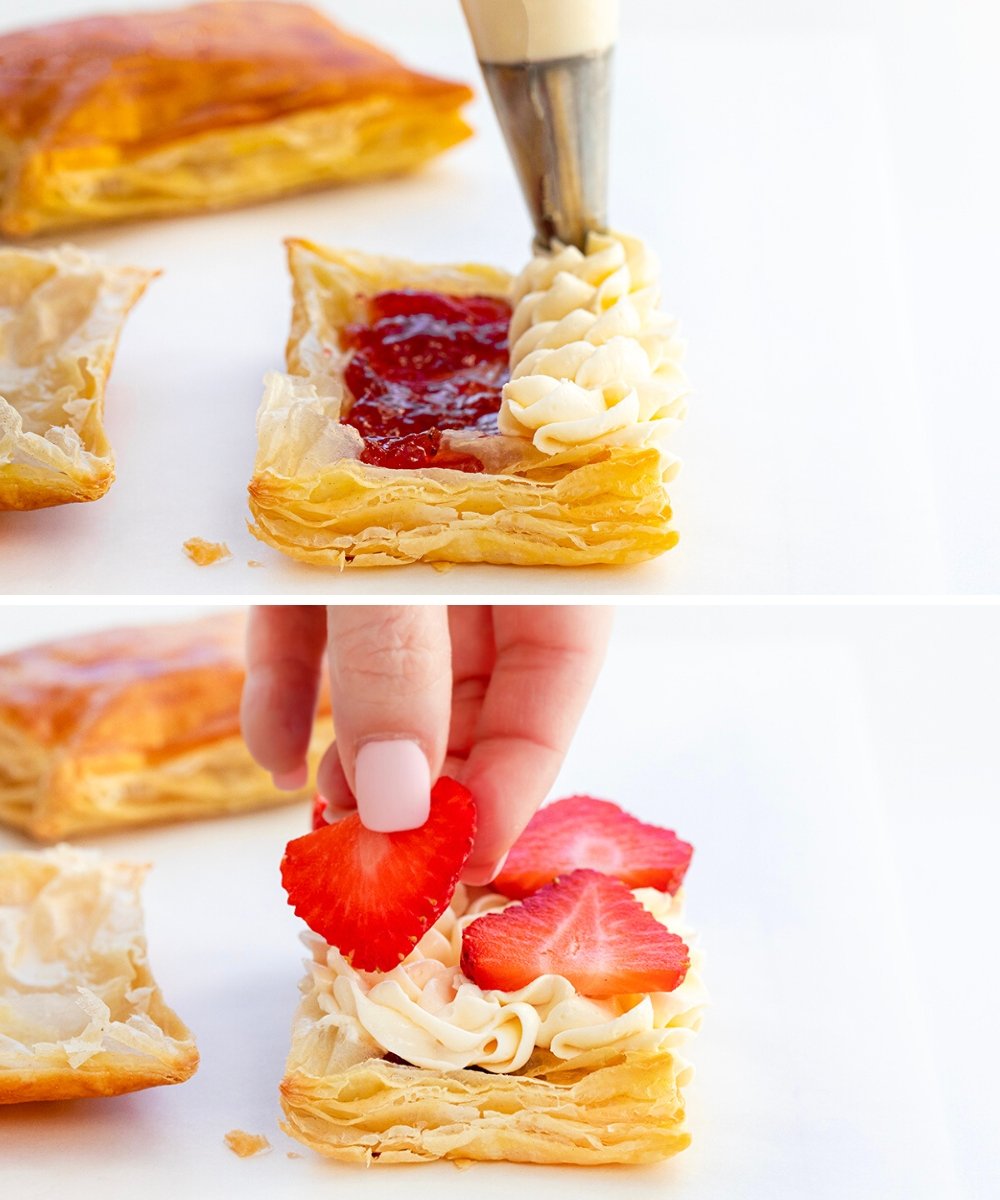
(490, 695)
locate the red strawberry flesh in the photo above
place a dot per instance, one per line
(585, 926)
(374, 895)
(581, 832)
(319, 813)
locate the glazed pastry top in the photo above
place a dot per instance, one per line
(142, 79)
(151, 689)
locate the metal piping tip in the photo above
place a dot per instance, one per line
(554, 115)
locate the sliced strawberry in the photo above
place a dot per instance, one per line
(583, 832)
(374, 895)
(319, 813)
(586, 927)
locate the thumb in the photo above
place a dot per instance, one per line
(390, 690)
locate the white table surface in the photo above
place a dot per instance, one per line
(836, 772)
(813, 178)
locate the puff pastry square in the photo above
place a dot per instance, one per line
(347, 1098)
(61, 314)
(157, 113)
(129, 727)
(312, 498)
(80, 1012)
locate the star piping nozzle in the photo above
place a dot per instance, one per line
(547, 66)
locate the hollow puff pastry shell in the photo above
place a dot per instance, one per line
(314, 500)
(156, 113)
(610, 1106)
(61, 314)
(128, 727)
(80, 1012)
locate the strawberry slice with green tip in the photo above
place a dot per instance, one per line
(582, 832)
(374, 895)
(587, 927)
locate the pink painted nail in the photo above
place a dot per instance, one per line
(291, 781)
(392, 784)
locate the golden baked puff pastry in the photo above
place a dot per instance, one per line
(337, 483)
(61, 314)
(599, 1108)
(128, 727)
(158, 113)
(541, 1019)
(80, 1012)
(348, 1098)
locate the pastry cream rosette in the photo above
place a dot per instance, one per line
(593, 360)
(418, 1062)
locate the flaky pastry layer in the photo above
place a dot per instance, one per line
(80, 1011)
(61, 314)
(622, 1107)
(125, 115)
(129, 727)
(314, 500)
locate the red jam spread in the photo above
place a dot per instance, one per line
(425, 362)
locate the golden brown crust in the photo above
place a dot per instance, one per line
(105, 1077)
(61, 314)
(82, 1014)
(314, 500)
(137, 114)
(130, 726)
(597, 1108)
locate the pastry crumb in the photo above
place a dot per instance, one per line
(461, 1164)
(247, 1144)
(292, 1154)
(203, 553)
(442, 567)
(252, 562)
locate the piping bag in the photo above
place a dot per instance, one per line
(547, 66)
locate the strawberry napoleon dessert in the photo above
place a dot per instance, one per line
(540, 1019)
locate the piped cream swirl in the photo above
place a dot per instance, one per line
(429, 1014)
(593, 360)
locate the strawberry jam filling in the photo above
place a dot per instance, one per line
(422, 363)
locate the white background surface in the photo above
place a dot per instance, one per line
(836, 770)
(820, 183)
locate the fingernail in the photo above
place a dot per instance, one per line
(481, 876)
(333, 812)
(291, 781)
(392, 785)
